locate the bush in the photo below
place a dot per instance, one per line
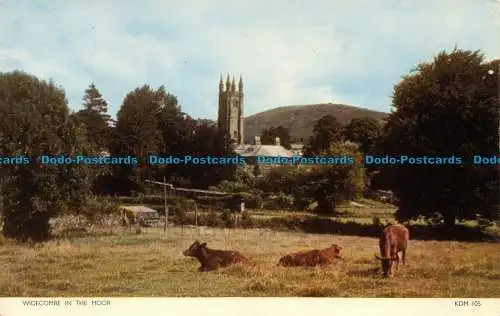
(99, 209)
(232, 187)
(226, 218)
(213, 219)
(281, 201)
(254, 201)
(279, 179)
(178, 214)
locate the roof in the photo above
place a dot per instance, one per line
(297, 145)
(263, 150)
(138, 208)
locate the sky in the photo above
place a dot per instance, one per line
(289, 52)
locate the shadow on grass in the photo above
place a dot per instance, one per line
(318, 225)
(418, 232)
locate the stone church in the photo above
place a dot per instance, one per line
(231, 120)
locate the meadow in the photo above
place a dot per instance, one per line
(122, 263)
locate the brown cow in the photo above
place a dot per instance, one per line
(394, 239)
(311, 258)
(212, 259)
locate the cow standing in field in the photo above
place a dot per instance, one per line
(394, 239)
(311, 258)
(212, 259)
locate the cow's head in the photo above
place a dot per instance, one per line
(195, 249)
(387, 265)
(336, 251)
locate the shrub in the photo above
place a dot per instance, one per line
(178, 214)
(281, 201)
(97, 208)
(254, 201)
(232, 187)
(213, 219)
(226, 218)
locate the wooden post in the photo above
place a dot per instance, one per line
(166, 206)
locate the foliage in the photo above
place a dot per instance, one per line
(35, 121)
(209, 141)
(244, 176)
(269, 135)
(226, 218)
(281, 201)
(95, 118)
(326, 184)
(445, 108)
(98, 208)
(178, 213)
(332, 184)
(232, 186)
(365, 131)
(326, 131)
(254, 201)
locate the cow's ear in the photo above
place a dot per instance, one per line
(203, 244)
(377, 257)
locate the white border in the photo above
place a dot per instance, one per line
(252, 306)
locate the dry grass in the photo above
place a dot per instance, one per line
(151, 264)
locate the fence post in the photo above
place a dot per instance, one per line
(166, 206)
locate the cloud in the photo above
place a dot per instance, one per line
(289, 52)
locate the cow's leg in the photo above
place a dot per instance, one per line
(404, 256)
(397, 262)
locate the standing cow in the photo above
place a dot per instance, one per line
(394, 239)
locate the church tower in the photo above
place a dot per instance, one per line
(230, 118)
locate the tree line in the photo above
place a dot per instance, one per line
(448, 106)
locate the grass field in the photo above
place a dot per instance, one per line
(151, 264)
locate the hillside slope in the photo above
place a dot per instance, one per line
(299, 119)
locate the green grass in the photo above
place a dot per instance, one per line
(151, 264)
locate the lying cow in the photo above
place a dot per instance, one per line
(394, 239)
(311, 258)
(212, 259)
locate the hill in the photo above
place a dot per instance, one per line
(299, 119)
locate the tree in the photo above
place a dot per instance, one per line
(209, 141)
(365, 131)
(445, 108)
(269, 135)
(176, 127)
(137, 134)
(94, 116)
(326, 131)
(34, 121)
(327, 184)
(333, 184)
